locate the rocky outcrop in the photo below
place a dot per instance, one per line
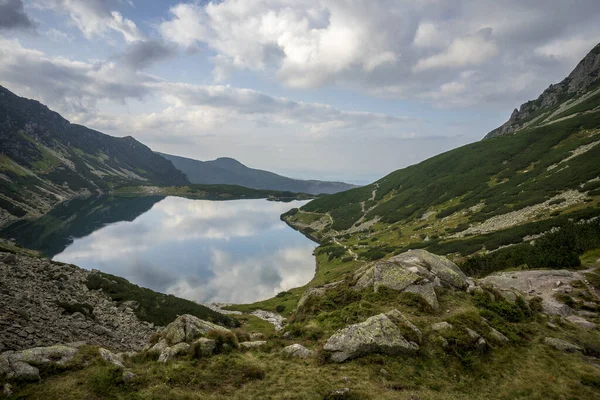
(297, 351)
(317, 291)
(17, 365)
(171, 352)
(43, 303)
(253, 345)
(585, 74)
(273, 318)
(562, 345)
(378, 334)
(415, 271)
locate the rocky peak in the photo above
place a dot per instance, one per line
(579, 81)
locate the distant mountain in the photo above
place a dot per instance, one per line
(44, 159)
(232, 172)
(576, 94)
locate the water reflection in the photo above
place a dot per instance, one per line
(234, 251)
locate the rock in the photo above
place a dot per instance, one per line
(108, 356)
(78, 316)
(582, 322)
(415, 271)
(441, 326)
(315, 291)
(400, 320)
(273, 318)
(59, 355)
(7, 390)
(257, 336)
(562, 345)
(481, 344)
(157, 348)
(287, 335)
(21, 371)
(472, 334)
(343, 393)
(171, 352)
(253, 345)
(187, 328)
(128, 376)
(377, 334)
(10, 259)
(498, 336)
(297, 350)
(205, 347)
(440, 340)
(551, 325)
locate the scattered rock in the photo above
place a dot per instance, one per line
(21, 371)
(128, 376)
(171, 352)
(562, 345)
(257, 336)
(10, 259)
(275, 319)
(582, 322)
(441, 326)
(108, 356)
(297, 350)
(551, 325)
(498, 336)
(316, 291)
(253, 345)
(377, 334)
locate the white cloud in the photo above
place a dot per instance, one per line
(95, 18)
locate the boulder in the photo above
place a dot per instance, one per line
(171, 352)
(315, 291)
(21, 371)
(253, 345)
(158, 347)
(441, 326)
(187, 328)
(108, 356)
(377, 334)
(58, 354)
(562, 345)
(582, 322)
(415, 271)
(498, 336)
(128, 376)
(257, 336)
(205, 347)
(298, 351)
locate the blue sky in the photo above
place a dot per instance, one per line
(323, 89)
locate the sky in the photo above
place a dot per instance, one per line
(322, 89)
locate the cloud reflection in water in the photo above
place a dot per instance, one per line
(230, 251)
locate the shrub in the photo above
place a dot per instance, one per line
(280, 308)
(223, 340)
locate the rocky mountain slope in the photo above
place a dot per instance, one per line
(44, 303)
(44, 159)
(576, 94)
(232, 172)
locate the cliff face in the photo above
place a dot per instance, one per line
(581, 84)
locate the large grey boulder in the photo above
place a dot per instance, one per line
(414, 271)
(110, 357)
(187, 328)
(298, 351)
(205, 347)
(253, 345)
(378, 334)
(17, 364)
(171, 352)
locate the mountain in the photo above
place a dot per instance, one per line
(577, 93)
(232, 172)
(45, 159)
(490, 198)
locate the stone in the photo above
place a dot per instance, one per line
(441, 326)
(187, 328)
(582, 322)
(551, 325)
(159, 347)
(171, 352)
(498, 336)
(253, 345)
(78, 316)
(414, 271)
(377, 334)
(298, 351)
(205, 347)
(21, 371)
(400, 320)
(562, 345)
(108, 356)
(10, 259)
(7, 390)
(128, 376)
(472, 334)
(58, 354)
(257, 336)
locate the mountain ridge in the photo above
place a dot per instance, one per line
(227, 170)
(557, 99)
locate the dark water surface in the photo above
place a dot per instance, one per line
(227, 251)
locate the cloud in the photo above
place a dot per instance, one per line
(142, 54)
(96, 18)
(395, 49)
(13, 16)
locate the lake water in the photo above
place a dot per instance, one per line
(227, 251)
